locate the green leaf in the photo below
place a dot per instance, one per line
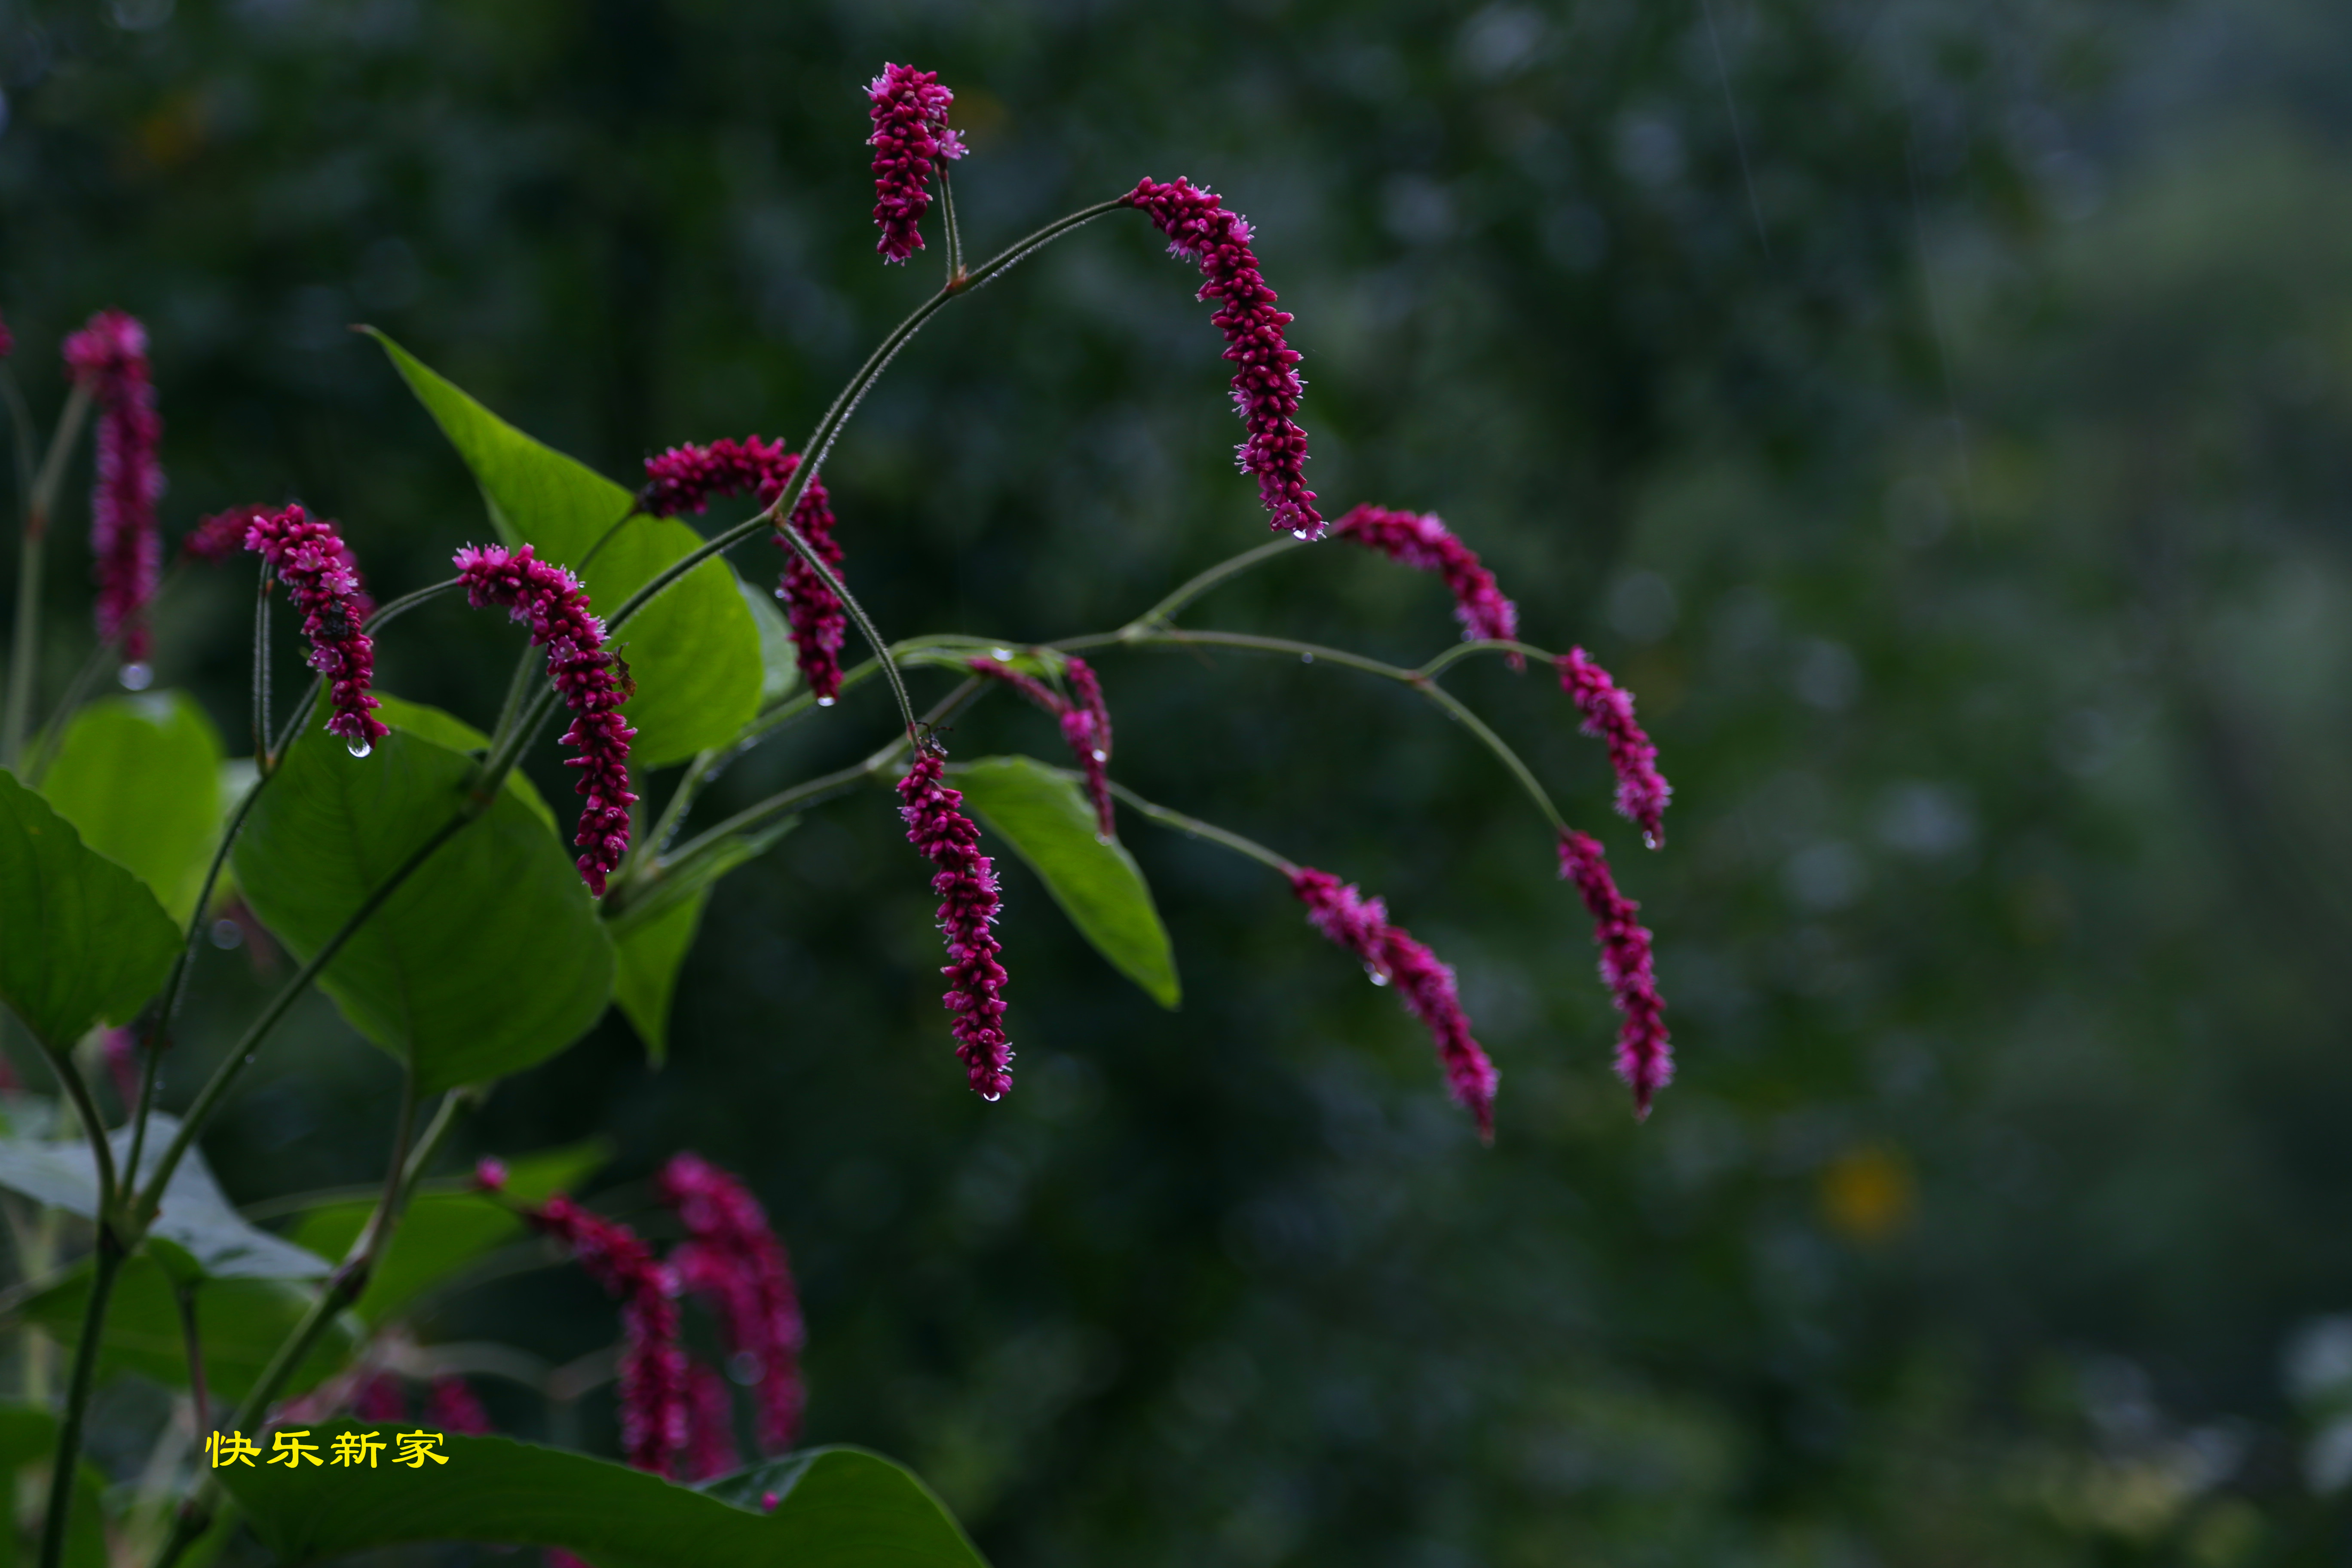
(836, 1508)
(447, 730)
(694, 652)
(81, 940)
(647, 956)
(195, 1217)
(780, 667)
(140, 778)
(241, 1324)
(441, 1233)
(1042, 812)
(29, 1436)
(488, 959)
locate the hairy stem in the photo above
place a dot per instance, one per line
(1168, 817)
(1461, 652)
(1158, 615)
(261, 756)
(199, 1402)
(40, 499)
(84, 1376)
(831, 579)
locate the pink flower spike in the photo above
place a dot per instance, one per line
(310, 557)
(589, 678)
(1645, 1059)
(1084, 723)
(1425, 987)
(490, 1174)
(1423, 542)
(379, 1398)
(109, 358)
(7, 344)
(966, 885)
(733, 1259)
(1641, 792)
(688, 477)
(910, 137)
(121, 1048)
(710, 1426)
(216, 538)
(1266, 385)
(653, 1367)
(451, 1404)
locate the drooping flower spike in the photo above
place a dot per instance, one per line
(1423, 542)
(7, 344)
(311, 558)
(555, 606)
(1645, 1060)
(653, 1367)
(451, 1404)
(109, 358)
(1266, 385)
(688, 477)
(1425, 987)
(1084, 723)
(216, 538)
(1641, 792)
(709, 1427)
(966, 884)
(910, 138)
(733, 1259)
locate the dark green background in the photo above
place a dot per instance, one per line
(1936, 414)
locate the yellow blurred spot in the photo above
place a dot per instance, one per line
(1867, 1195)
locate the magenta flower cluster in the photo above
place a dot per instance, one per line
(966, 884)
(1266, 385)
(1645, 1060)
(216, 538)
(109, 359)
(653, 1368)
(1425, 987)
(310, 557)
(1423, 542)
(7, 344)
(1641, 792)
(688, 477)
(451, 1404)
(911, 139)
(1084, 723)
(732, 1260)
(587, 677)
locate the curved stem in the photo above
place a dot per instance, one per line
(40, 496)
(1168, 817)
(68, 1459)
(85, 1106)
(1461, 652)
(832, 579)
(1233, 566)
(261, 752)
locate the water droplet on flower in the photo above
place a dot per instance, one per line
(826, 701)
(992, 1099)
(781, 595)
(1298, 534)
(1378, 978)
(226, 934)
(1652, 840)
(135, 677)
(1306, 659)
(1001, 654)
(358, 748)
(1101, 755)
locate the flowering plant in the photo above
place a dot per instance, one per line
(420, 879)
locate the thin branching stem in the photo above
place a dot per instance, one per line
(261, 672)
(1231, 566)
(1167, 816)
(84, 1377)
(41, 499)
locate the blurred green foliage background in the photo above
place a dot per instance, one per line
(1936, 414)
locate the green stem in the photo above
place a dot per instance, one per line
(261, 755)
(78, 1390)
(185, 1296)
(1168, 816)
(39, 500)
(85, 1106)
(1461, 652)
(1233, 566)
(832, 579)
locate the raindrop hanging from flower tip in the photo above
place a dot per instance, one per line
(135, 677)
(358, 748)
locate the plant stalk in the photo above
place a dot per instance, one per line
(25, 656)
(84, 1377)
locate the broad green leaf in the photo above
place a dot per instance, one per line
(694, 652)
(836, 1508)
(441, 1233)
(81, 940)
(29, 1436)
(487, 959)
(780, 667)
(647, 957)
(1042, 812)
(209, 1237)
(140, 778)
(448, 730)
(240, 1322)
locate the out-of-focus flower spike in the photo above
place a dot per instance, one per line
(7, 344)
(121, 1047)
(1608, 709)
(381, 1398)
(1266, 383)
(966, 884)
(1083, 720)
(733, 1261)
(555, 606)
(911, 139)
(1392, 955)
(309, 555)
(688, 477)
(710, 1447)
(216, 538)
(1645, 1060)
(109, 358)
(1423, 542)
(451, 1404)
(653, 1367)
